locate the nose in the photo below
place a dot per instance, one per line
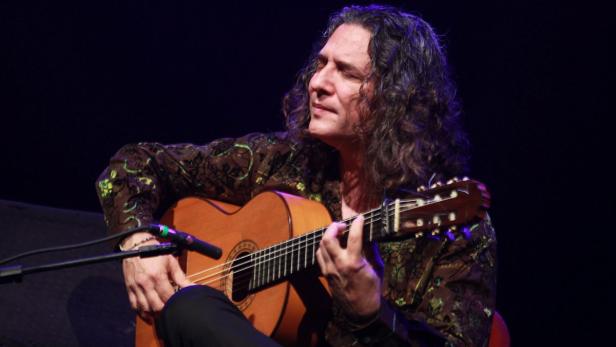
(321, 82)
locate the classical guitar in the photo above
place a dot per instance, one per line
(268, 268)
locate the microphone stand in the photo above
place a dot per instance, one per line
(15, 273)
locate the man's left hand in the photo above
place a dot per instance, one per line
(353, 281)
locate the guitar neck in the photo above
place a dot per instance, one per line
(442, 208)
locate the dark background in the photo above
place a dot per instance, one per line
(80, 79)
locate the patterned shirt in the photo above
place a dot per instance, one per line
(435, 291)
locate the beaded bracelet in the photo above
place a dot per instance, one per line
(138, 243)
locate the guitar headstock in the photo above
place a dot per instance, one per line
(442, 209)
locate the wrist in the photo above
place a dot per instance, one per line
(375, 331)
(136, 240)
(361, 316)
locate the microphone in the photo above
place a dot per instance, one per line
(185, 240)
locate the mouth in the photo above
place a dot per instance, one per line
(318, 106)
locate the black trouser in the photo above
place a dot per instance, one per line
(202, 316)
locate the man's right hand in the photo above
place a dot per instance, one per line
(150, 282)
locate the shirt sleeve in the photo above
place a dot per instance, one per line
(144, 179)
(437, 293)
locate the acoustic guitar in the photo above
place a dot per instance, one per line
(268, 268)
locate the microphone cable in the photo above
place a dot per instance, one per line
(74, 246)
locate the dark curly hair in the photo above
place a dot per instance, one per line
(410, 127)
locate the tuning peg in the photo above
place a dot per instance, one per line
(465, 178)
(421, 188)
(435, 232)
(453, 180)
(466, 232)
(437, 184)
(419, 235)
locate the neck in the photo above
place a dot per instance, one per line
(355, 188)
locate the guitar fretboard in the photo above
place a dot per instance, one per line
(441, 209)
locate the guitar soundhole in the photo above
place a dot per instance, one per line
(242, 274)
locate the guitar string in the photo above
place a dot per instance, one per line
(272, 257)
(296, 245)
(243, 271)
(242, 276)
(275, 256)
(369, 216)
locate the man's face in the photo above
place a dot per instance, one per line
(343, 64)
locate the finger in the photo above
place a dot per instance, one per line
(321, 262)
(328, 264)
(142, 302)
(354, 243)
(177, 274)
(164, 289)
(330, 241)
(132, 298)
(155, 303)
(146, 289)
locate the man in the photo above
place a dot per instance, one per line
(373, 112)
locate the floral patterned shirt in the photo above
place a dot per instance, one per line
(435, 291)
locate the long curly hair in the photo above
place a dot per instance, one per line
(410, 124)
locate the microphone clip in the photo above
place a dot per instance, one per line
(186, 240)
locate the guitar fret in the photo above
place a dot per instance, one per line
(252, 280)
(314, 239)
(371, 223)
(305, 252)
(268, 265)
(278, 256)
(280, 259)
(291, 256)
(285, 261)
(274, 262)
(263, 267)
(257, 268)
(260, 271)
(299, 248)
(276, 274)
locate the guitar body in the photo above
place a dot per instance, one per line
(293, 312)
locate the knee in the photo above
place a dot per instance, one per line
(191, 301)
(192, 314)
